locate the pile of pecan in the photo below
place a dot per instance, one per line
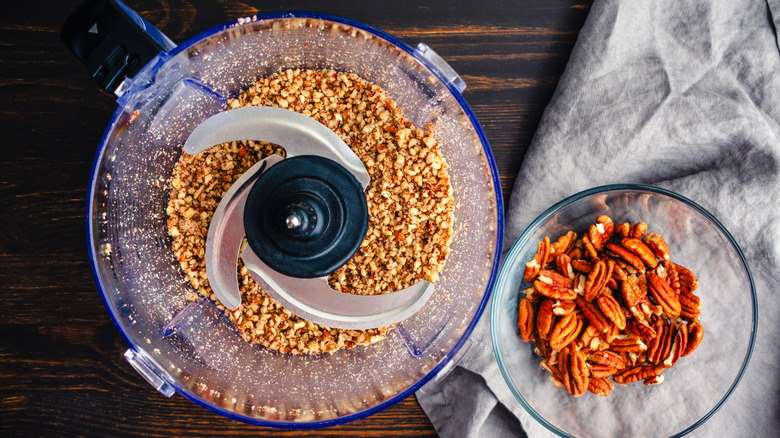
(608, 304)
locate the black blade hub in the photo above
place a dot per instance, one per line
(306, 216)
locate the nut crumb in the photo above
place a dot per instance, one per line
(410, 204)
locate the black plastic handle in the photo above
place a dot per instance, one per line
(112, 41)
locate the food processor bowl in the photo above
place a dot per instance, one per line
(191, 347)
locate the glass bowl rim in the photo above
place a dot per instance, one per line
(522, 240)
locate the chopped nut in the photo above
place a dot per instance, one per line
(410, 204)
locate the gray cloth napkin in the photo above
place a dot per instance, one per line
(683, 95)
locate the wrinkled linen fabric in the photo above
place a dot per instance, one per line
(683, 95)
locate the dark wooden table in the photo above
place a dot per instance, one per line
(61, 367)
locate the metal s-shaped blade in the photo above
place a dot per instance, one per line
(311, 299)
(226, 232)
(297, 133)
(314, 300)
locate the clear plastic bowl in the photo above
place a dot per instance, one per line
(698, 384)
(190, 347)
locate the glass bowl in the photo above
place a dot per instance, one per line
(698, 384)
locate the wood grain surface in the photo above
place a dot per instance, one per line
(61, 367)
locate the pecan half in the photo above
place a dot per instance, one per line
(565, 331)
(657, 244)
(642, 329)
(632, 294)
(611, 309)
(690, 306)
(593, 314)
(626, 255)
(599, 370)
(590, 251)
(612, 333)
(590, 338)
(525, 319)
(627, 343)
(563, 307)
(597, 279)
(688, 281)
(637, 373)
(545, 319)
(640, 250)
(679, 345)
(554, 285)
(542, 348)
(601, 232)
(577, 379)
(638, 230)
(623, 229)
(600, 386)
(617, 272)
(563, 266)
(536, 264)
(581, 265)
(695, 335)
(608, 358)
(660, 346)
(564, 244)
(664, 295)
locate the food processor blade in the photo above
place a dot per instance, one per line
(310, 298)
(299, 134)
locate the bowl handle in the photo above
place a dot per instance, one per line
(112, 40)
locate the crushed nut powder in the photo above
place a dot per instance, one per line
(410, 204)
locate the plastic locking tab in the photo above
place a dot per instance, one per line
(112, 40)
